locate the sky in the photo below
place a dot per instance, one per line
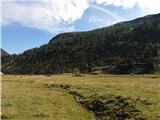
(26, 24)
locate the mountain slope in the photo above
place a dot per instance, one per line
(127, 47)
(4, 53)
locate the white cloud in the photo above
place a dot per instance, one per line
(123, 3)
(49, 15)
(59, 15)
(119, 18)
(95, 19)
(103, 22)
(148, 6)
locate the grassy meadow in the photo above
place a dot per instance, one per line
(89, 97)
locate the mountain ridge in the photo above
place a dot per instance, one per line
(3, 52)
(126, 47)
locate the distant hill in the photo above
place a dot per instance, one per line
(3, 52)
(126, 47)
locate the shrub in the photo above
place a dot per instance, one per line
(76, 72)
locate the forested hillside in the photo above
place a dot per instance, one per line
(127, 47)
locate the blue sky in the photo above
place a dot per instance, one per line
(31, 23)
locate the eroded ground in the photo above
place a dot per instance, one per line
(65, 97)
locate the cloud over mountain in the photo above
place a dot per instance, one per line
(49, 15)
(60, 15)
(148, 6)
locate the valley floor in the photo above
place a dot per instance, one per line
(66, 97)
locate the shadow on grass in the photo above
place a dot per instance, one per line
(6, 117)
(40, 115)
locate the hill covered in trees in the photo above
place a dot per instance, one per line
(126, 47)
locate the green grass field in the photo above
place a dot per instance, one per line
(65, 97)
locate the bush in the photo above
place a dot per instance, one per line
(76, 72)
